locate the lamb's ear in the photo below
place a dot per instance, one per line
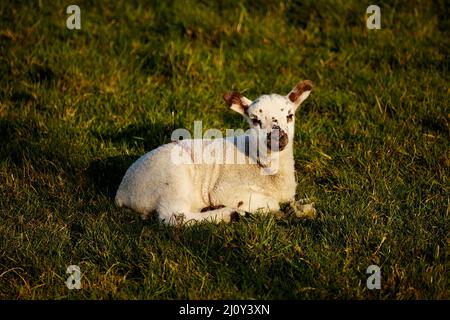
(237, 102)
(300, 92)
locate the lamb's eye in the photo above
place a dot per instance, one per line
(290, 117)
(256, 122)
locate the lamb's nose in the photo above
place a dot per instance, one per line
(279, 136)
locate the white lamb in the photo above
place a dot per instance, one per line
(171, 181)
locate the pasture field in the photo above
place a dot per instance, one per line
(77, 107)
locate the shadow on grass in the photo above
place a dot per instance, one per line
(26, 142)
(240, 251)
(106, 173)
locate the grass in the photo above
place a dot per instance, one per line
(372, 147)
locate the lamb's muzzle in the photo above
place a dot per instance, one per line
(279, 138)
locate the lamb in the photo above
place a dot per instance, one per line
(182, 190)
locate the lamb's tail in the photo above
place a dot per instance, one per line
(120, 196)
(118, 199)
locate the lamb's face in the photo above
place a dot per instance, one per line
(272, 115)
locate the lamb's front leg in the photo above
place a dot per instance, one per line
(302, 208)
(224, 214)
(264, 204)
(254, 202)
(180, 214)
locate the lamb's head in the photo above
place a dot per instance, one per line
(275, 114)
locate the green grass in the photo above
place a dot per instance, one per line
(372, 147)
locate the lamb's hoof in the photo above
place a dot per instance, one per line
(220, 206)
(236, 215)
(302, 210)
